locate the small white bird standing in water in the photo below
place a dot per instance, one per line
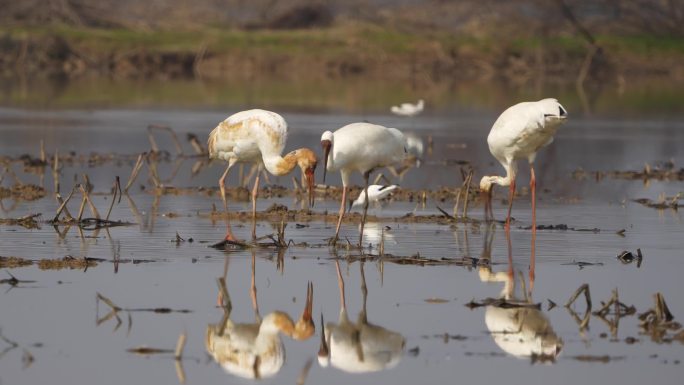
(409, 109)
(360, 147)
(376, 193)
(519, 133)
(258, 137)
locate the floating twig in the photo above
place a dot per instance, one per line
(502, 303)
(180, 345)
(584, 321)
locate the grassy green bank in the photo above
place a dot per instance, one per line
(345, 50)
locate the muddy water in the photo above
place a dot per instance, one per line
(417, 329)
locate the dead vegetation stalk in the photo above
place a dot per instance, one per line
(136, 171)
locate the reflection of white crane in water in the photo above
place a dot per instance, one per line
(358, 347)
(255, 350)
(522, 330)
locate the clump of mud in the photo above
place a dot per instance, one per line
(13, 262)
(280, 213)
(67, 262)
(663, 171)
(28, 221)
(27, 192)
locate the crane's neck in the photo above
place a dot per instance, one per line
(276, 322)
(511, 171)
(331, 159)
(278, 165)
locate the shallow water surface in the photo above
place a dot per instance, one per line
(402, 323)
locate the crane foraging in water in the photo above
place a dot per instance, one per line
(258, 137)
(519, 133)
(360, 147)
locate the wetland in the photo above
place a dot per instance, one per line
(125, 288)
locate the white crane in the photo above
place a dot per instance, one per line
(408, 109)
(519, 133)
(258, 137)
(359, 347)
(360, 147)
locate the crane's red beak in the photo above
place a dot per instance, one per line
(323, 350)
(308, 308)
(326, 144)
(309, 175)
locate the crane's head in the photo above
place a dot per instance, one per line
(305, 328)
(324, 349)
(553, 111)
(326, 143)
(307, 162)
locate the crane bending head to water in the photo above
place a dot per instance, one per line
(519, 133)
(258, 137)
(360, 147)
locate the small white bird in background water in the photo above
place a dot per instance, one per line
(258, 137)
(360, 147)
(376, 194)
(519, 133)
(408, 109)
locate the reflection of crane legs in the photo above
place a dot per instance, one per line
(363, 317)
(510, 255)
(253, 290)
(340, 284)
(533, 188)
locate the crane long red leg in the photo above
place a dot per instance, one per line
(339, 219)
(510, 259)
(366, 176)
(222, 187)
(511, 195)
(533, 189)
(255, 192)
